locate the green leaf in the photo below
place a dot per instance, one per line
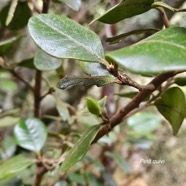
(14, 165)
(62, 37)
(80, 148)
(8, 121)
(87, 81)
(45, 62)
(8, 147)
(18, 21)
(29, 63)
(94, 69)
(7, 44)
(93, 106)
(31, 134)
(74, 4)
(181, 81)
(117, 39)
(172, 106)
(125, 9)
(163, 52)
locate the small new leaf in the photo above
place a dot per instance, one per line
(93, 106)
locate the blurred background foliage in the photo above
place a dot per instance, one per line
(115, 160)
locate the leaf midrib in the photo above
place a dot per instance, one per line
(163, 42)
(73, 40)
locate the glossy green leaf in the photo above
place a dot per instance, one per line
(172, 106)
(18, 21)
(14, 165)
(181, 81)
(74, 4)
(163, 52)
(125, 9)
(117, 39)
(93, 106)
(87, 81)
(31, 134)
(62, 37)
(45, 62)
(7, 44)
(94, 69)
(80, 148)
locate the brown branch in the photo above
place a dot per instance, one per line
(37, 93)
(126, 80)
(41, 170)
(133, 104)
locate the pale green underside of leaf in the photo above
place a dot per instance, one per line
(125, 9)
(80, 149)
(163, 52)
(62, 37)
(31, 134)
(14, 165)
(94, 69)
(45, 62)
(172, 105)
(87, 81)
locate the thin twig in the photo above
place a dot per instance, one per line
(50, 91)
(37, 93)
(21, 79)
(164, 16)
